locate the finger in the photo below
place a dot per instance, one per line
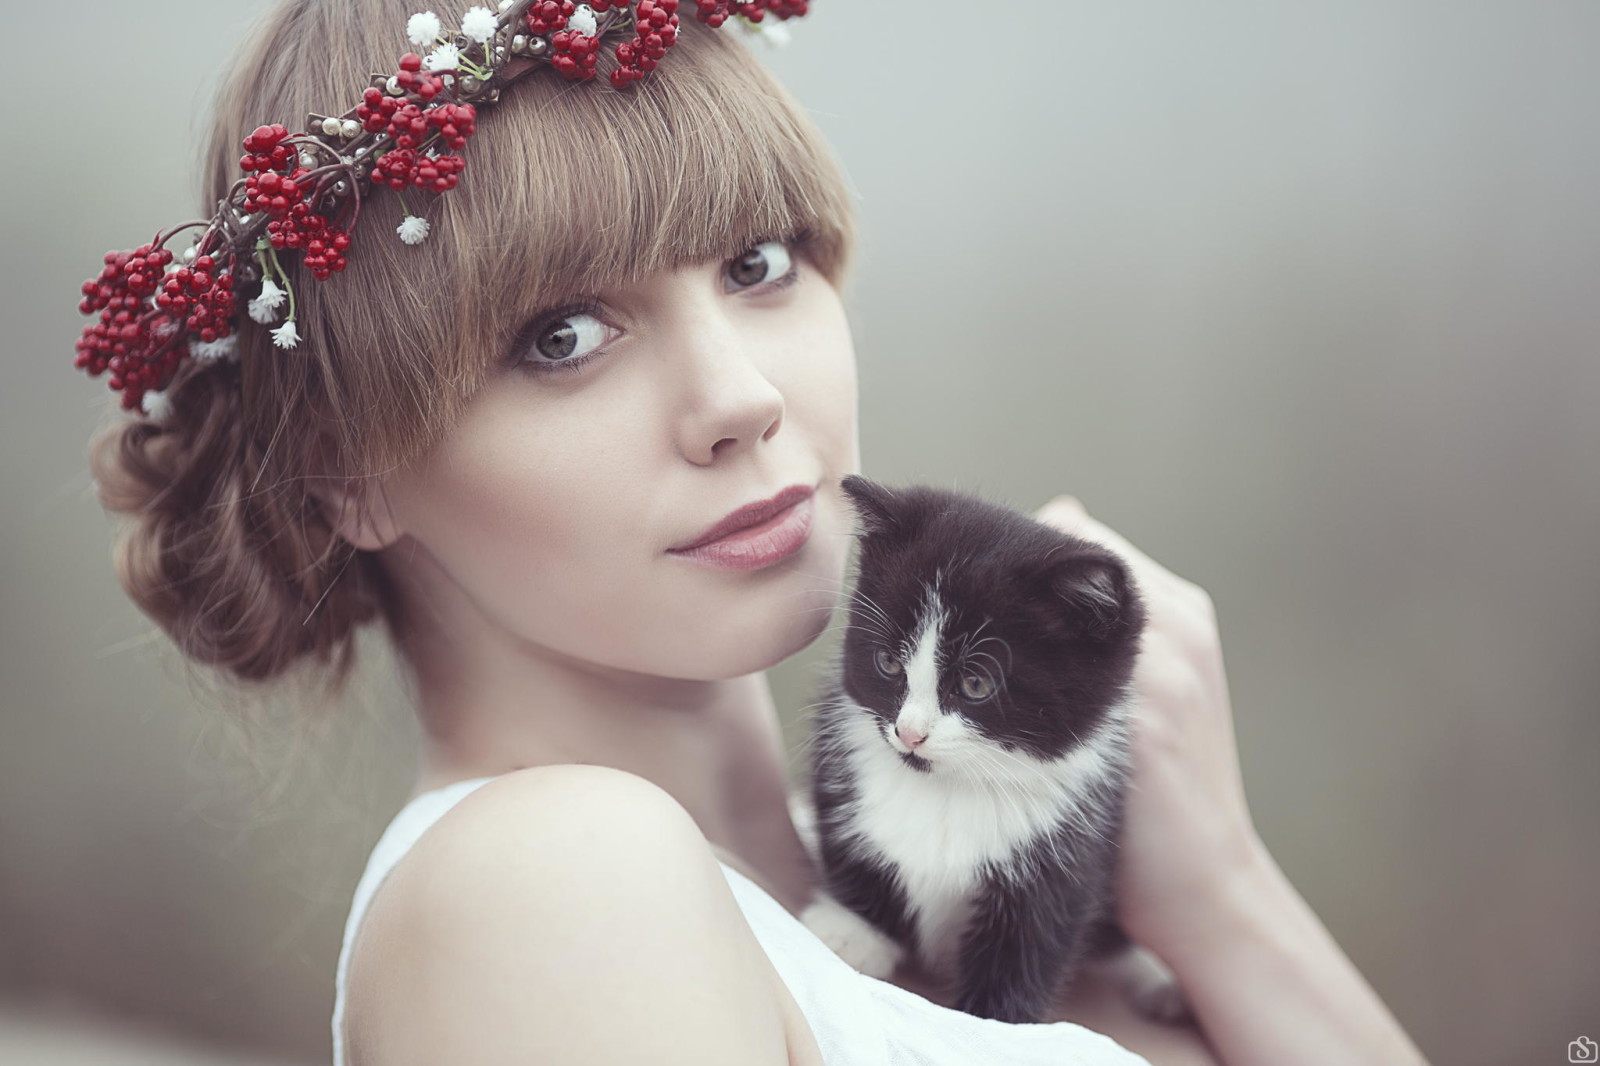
(1091, 528)
(1062, 509)
(1068, 514)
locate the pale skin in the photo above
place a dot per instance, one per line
(573, 909)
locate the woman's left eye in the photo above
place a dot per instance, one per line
(768, 261)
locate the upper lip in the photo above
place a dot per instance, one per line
(748, 515)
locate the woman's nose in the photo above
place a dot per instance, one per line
(726, 392)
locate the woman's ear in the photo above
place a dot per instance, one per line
(358, 511)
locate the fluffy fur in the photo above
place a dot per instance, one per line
(970, 752)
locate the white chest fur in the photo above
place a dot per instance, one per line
(979, 806)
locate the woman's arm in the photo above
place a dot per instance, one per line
(1270, 984)
(1195, 884)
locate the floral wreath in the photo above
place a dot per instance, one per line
(302, 192)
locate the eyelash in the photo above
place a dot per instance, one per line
(588, 307)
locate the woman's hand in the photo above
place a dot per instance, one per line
(1187, 827)
(1196, 885)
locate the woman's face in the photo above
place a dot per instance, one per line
(548, 512)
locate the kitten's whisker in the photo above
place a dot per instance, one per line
(1003, 643)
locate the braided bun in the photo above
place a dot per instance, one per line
(241, 571)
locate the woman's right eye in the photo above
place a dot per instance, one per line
(565, 341)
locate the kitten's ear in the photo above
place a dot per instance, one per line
(1099, 589)
(880, 509)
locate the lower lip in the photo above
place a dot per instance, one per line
(759, 545)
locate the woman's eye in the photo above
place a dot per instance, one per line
(565, 342)
(768, 261)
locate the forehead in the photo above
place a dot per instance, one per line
(592, 191)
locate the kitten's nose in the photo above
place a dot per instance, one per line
(909, 737)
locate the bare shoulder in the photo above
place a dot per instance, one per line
(547, 803)
(549, 917)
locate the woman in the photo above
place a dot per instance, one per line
(625, 322)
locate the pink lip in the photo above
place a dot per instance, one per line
(756, 535)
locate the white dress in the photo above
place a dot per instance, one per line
(857, 1020)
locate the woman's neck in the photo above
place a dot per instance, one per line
(715, 746)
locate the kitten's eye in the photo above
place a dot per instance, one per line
(976, 688)
(767, 261)
(888, 665)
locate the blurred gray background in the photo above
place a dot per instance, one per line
(1303, 299)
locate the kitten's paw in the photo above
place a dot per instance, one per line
(852, 937)
(1154, 990)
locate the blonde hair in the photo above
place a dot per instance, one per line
(568, 187)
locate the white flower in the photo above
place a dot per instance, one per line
(423, 28)
(285, 336)
(414, 230)
(583, 21)
(445, 57)
(209, 350)
(479, 23)
(271, 298)
(771, 31)
(156, 404)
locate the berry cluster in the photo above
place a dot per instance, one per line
(404, 166)
(547, 16)
(265, 149)
(573, 54)
(410, 126)
(324, 244)
(715, 12)
(376, 109)
(273, 192)
(202, 294)
(656, 23)
(410, 78)
(127, 340)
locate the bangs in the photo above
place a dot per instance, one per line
(568, 187)
(703, 163)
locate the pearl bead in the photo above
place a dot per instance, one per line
(349, 127)
(330, 127)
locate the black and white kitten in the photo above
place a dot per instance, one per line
(970, 752)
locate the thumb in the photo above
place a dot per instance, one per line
(1064, 507)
